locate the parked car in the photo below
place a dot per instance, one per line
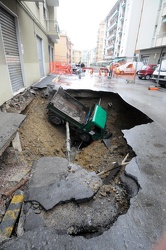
(162, 75)
(129, 68)
(74, 68)
(147, 71)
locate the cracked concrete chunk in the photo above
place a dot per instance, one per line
(52, 183)
(10, 122)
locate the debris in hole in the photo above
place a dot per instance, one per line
(12, 190)
(107, 142)
(18, 103)
(112, 174)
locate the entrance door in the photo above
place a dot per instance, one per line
(40, 56)
(10, 41)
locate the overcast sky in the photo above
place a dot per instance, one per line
(81, 18)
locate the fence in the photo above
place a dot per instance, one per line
(60, 68)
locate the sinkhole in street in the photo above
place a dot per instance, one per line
(91, 217)
(40, 138)
(113, 198)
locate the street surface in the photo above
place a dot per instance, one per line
(135, 92)
(144, 223)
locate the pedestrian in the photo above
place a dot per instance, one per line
(111, 70)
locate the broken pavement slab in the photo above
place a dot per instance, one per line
(59, 191)
(52, 183)
(9, 124)
(50, 79)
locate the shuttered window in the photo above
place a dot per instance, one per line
(9, 36)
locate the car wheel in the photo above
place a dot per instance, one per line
(162, 85)
(54, 119)
(147, 77)
(140, 77)
(85, 137)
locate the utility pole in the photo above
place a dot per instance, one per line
(138, 35)
(160, 60)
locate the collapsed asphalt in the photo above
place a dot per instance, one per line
(142, 225)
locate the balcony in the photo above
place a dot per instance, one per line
(121, 17)
(109, 53)
(111, 37)
(112, 26)
(115, 14)
(123, 4)
(51, 3)
(120, 30)
(110, 47)
(53, 30)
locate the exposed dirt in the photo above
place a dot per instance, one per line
(41, 138)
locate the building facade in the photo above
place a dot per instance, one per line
(89, 57)
(28, 31)
(63, 49)
(100, 42)
(122, 25)
(153, 27)
(76, 56)
(134, 32)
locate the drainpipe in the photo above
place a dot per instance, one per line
(68, 142)
(138, 35)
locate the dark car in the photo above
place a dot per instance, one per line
(146, 71)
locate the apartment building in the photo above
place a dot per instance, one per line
(122, 26)
(152, 33)
(100, 42)
(89, 57)
(63, 49)
(136, 29)
(28, 31)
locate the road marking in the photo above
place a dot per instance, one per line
(11, 215)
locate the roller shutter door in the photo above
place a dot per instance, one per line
(10, 41)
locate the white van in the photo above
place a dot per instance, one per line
(129, 68)
(162, 77)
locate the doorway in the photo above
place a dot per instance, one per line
(40, 56)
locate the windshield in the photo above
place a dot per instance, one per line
(163, 68)
(144, 67)
(90, 114)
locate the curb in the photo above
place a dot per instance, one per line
(12, 213)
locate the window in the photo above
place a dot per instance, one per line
(164, 19)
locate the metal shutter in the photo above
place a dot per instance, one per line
(9, 36)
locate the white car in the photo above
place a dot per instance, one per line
(162, 77)
(129, 68)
